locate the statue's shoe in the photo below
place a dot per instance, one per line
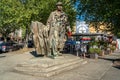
(51, 56)
(59, 54)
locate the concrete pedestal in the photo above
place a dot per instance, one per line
(47, 67)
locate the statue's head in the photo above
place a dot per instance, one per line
(59, 4)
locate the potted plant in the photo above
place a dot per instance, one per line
(102, 52)
(103, 45)
(112, 49)
(94, 52)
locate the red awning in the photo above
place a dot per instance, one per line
(85, 38)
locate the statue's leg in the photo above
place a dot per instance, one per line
(56, 41)
(40, 45)
(49, 46)
(63, 39)
(54, 51)
(57, 46)
(46, 47)
(61, 43)
(35, 42)
(51, 49)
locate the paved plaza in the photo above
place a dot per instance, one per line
(94, 69)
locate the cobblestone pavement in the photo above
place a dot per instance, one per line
(95, 69)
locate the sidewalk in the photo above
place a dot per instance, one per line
(114, 72)
(93, 70)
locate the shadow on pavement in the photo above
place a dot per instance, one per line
(116, 62)
(109, 59)
(34, 53)
(118, 67)
(2, 56)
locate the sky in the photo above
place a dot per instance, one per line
(80, 21)
(79, 17)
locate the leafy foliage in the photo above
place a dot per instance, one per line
(107, 11)
(19, 13)
(95, 50)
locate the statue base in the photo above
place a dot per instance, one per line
(46, 67)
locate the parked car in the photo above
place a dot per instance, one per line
(5, 47)
(10, 46)
(15, 46)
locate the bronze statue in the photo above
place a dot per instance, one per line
(40, 33)
(57, 24)
(49, 39)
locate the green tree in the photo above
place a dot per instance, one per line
(9, 11)
(19, 13)
(107, 11)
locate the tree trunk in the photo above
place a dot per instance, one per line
(26, 38)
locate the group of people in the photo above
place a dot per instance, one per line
(81, 49)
